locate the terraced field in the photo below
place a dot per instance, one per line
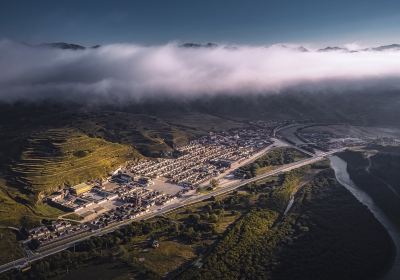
(55, 157)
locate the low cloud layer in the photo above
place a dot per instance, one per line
(127, 71)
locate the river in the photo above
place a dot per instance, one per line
(342, 176)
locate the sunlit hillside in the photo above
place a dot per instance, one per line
(56, 157)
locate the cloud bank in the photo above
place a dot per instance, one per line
(126, 71)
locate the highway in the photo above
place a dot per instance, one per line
(227, 187)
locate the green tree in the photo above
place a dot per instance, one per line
(214, 183)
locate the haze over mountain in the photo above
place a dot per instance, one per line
(118, 72)
(71, 46)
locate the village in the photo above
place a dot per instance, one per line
(203, 168)
(146, 185)
(142, 186)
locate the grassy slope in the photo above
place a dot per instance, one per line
(17, 209)
(56, 157)
(151, 135)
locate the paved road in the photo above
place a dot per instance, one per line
(228, 187)
(13, 228)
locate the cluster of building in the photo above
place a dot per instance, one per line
(205, 157)
(195, 166)
(58, 229)
(326, 141)
(384, 141)
(134, 203)
(79, 197)
(129, 192)
(254, 138)
(129, 199)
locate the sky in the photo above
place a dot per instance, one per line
(90, 22)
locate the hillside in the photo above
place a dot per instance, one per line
(55, 157)
(46, 145)
(149, 133)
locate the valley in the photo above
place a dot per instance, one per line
(284, 157)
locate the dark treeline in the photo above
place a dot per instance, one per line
(275, 157)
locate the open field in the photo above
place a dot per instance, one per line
(169, 256)
(73, 216)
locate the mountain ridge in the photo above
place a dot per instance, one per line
(212, 45)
